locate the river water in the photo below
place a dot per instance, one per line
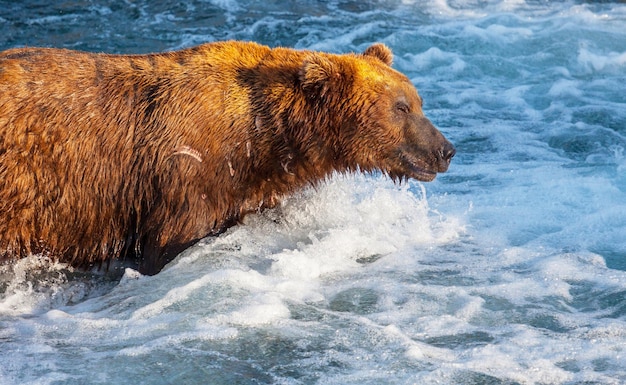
(509, 269)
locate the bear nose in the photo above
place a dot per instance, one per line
(448, 152)
(445, 156)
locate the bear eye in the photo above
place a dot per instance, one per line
(403, 107)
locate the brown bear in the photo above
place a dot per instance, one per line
(139, 156)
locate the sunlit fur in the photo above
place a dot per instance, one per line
(108, 156)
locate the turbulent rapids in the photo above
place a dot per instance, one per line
(508, 269)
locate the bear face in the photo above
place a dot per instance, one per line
(384, 127)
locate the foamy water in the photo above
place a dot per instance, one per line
(509, 269)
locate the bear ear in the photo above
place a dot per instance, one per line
(381, 52)
(317, 71)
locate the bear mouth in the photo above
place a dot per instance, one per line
(413, 168)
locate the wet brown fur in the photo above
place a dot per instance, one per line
(108, 156)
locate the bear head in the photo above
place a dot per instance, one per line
(378, 119)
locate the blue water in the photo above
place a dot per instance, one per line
(509, 269)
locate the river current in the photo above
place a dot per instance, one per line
(508, 269)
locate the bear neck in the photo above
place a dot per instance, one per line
(305, 143)
(296, 140)
(291, 151)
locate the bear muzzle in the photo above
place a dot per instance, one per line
(424, 151)
(422, 165)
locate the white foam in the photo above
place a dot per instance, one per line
(500, 271)
(266, 308)
(204, 332)
(338, 42)
(497, 33)
(35, 284)
(434, 58)
(594, 62)
(227, 5)
(565, 87)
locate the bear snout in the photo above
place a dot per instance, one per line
(422, 163)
